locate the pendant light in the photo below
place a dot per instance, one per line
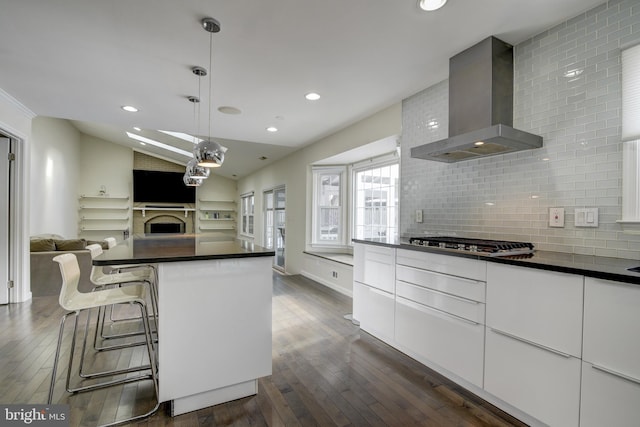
(193, 170)
(191, 182)
(209, 153)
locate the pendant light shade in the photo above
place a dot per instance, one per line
(209, 154)
(196, 171)
(191, 182)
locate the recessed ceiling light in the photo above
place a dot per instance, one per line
(226, 109)
(272, 129)
(431, 5)
(137, 128)
(312, 96)
(129, 108)
(479, 143)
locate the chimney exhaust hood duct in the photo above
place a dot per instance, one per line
(480, 107)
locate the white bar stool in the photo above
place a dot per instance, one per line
(74, 301)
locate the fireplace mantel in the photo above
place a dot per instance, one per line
(168, 208)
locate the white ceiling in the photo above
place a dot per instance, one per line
(81, 60)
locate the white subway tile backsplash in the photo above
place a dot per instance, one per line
(508, 196)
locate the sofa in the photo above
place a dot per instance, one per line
(45, 273)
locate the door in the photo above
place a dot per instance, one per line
(5, 208)
(274, 224)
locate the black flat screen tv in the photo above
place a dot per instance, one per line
(161, 187)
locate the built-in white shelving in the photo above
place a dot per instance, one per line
(216, 215)
(103, 213)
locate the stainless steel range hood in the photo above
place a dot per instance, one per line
(480, 107)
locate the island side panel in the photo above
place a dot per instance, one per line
(214, 324)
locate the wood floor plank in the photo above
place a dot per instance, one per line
(326, 372)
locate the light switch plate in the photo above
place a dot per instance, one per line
(586, 217)
(556, 217)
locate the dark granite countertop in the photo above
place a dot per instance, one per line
(150, 249)
(587, 265)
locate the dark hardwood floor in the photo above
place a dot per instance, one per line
(326, 372)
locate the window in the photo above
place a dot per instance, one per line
(246, 212)
(328, 221)
(373, 212)
(631, 136)
(375, 206)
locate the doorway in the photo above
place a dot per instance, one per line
(6, 208)
(274, 224)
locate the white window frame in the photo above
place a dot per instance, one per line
(244, 215)
(386, 160)
(630, 221)
(343, 232)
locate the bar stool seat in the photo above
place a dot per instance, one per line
(74, 302)
(101, 280)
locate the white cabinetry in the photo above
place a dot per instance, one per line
(216, 215)
(533, 342)
(101, 215)
(440, 315)
(611, 358)
(374, 289)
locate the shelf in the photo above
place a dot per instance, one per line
(216, 228)
(105, 228)
(217, 219)
(102, 208)
(216, 201)
(167, 209)
(105, 197)
(104, 219)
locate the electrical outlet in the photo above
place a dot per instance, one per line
(556, 217)
(418, 215)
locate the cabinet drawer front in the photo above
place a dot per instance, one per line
(374, 309)
(466, 288)
(541, 383)
(452, 343)
(457, 306)
(608, 400)
(540, 306)
(448, 264)
(612, 325)
(379, 267)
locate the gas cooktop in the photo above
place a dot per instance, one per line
(479, 246)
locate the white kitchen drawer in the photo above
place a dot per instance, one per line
(374, 309)
(461, 307)
(453, 343)
(608, 399)
(466, 288)
(448, 264)
(612, 325)
(375, 266)
(541, 383)
(538, 305)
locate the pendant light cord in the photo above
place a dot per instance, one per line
(210, 85)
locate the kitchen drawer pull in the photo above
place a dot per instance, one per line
(381, 292)
(534, 344)
(423, 308)
(616, 374)
(436, 291)
(437, 273)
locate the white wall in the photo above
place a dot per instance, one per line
(294, 172)
(55, 176)
(104, 163)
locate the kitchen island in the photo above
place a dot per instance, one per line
(214, 323)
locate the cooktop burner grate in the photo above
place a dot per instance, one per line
(486, 247)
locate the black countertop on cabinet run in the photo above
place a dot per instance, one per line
(587, 265)
(154, 248)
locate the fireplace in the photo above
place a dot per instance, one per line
(165, 227)
(164, 223)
